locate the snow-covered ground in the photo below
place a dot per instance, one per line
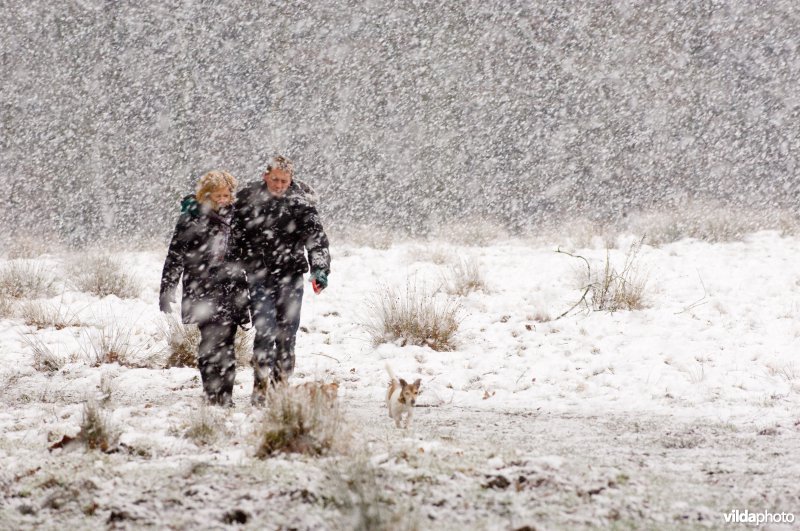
(671, 415)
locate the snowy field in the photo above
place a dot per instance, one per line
(668, 416)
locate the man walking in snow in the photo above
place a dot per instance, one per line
(275, 223)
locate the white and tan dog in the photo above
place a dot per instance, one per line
(400, 398)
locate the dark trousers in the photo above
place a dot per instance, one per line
(217, 361)
(275, 304)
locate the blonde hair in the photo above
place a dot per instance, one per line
(280, 162)
(211, 182)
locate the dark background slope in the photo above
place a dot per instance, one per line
(402, 114)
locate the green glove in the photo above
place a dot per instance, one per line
(319, 279)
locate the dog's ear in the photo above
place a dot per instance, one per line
(403, 383)
(417, 383)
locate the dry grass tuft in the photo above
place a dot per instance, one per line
(613, 290)
(96, 432)
(102, 276)
(361, 492)
(110, 344)
(182, 342)
(44, 314)
(298, 421)
(205, 426)
(465, 277)
(25, 279)
(414, 318)
(44, 359)
(6, 306)
(541, 316)
(620, 290)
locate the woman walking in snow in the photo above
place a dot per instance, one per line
(197, 253)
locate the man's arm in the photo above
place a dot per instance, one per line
(315, 241)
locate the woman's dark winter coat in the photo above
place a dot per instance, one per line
(197, 253)
(270, 235)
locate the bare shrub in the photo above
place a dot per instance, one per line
(611, 289)
(414, 318)
(182, 342)
(619, 290)
(465, 277)
(299, 421)
(110, 344)
(96, 431)
(102, 276)
(44, 314)
(362, 492)
(107, 388)
(44, 358)
(541, 316)
(25, 279)
(6, 306)
(205, 426)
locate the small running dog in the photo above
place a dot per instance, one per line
(401, 397)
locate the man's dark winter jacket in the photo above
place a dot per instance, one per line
(197, 252)
(269, 235)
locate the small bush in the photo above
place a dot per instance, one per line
(25, 279)
(612, 290)
(620, 290)
(541, 316)
(43, 314)
(205, 426)
(414, 318)
(44, 359)
(182, 342)
(297, 421)
(465, 277)
(6, 306)
(103, 276)
(107, 387)
(361, 490)
(110, 344)
(96, 432)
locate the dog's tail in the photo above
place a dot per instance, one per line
(392, 377)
